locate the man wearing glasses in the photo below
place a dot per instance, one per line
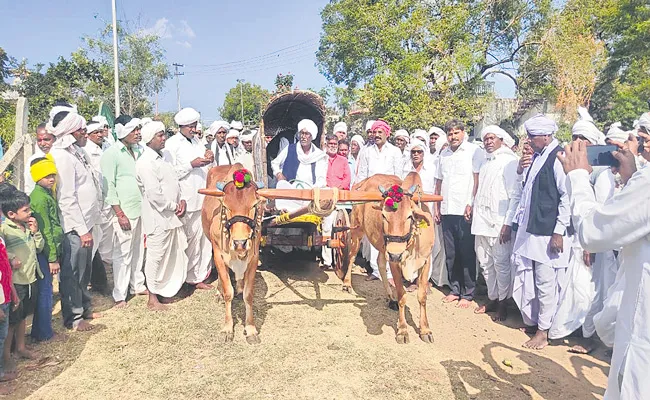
(124, 196)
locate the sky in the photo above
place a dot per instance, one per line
(217, 41)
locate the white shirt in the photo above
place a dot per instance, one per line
(622, 221)
(246, 159)
(304, 172)
(456, 170)
(183, 151)
(373, 161)
(29, 182)
(222, 155)
(499, 191)
(77, 191)
(161, 191)
(536, 247)
(426, 175)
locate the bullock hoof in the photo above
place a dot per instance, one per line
(427, 337)
(226, 336)
(347, 288)
(402, 338)
(392, 304)
(253, 339)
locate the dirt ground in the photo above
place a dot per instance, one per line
(317, 343)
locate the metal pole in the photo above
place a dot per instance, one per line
(178, 90)
(241, 91)
(116, 68)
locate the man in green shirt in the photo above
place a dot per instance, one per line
(124, 196)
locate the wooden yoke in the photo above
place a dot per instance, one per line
(325, 195)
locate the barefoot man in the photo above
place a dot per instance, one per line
(540, 222)
(497, 198)
(456, 183)
(166, 264)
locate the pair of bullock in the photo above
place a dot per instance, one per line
(398, 224)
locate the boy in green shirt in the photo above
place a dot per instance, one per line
(23, 241)
(45, 210)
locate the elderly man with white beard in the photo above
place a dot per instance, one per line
(166, 264)
(191, 162)
(497, 198)
(222, 152)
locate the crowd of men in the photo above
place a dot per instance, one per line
(569, 243)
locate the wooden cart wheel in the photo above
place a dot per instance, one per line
(341, 253)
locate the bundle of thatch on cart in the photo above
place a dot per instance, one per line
(281, 117)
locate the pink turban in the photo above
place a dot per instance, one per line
(380, 123)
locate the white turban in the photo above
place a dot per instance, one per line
(100, 119)
(237, 125)
(145, 121)
(584, 114)
(310, 126)
(415, 143)
(123, 131)
(94, 126)
(216, 125)
(248, 137)
(589, 131)
(358, 139)
(437, 131)
(420, 134)
(341, 127)
(369, 125)
(57, 109)
(440, 142)
(72, 122)
(150, 129)
(187, 116)
(232, 133)
(616, 133)
(644, 121)
(199, 127)
(500, 133)
(540, 125)
(403, 134)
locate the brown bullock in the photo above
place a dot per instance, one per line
(404, 239)
(232, 223)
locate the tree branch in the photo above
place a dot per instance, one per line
(514, 80)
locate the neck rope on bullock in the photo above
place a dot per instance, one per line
(241, 179)
(393, 196)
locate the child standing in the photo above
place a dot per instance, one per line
(23, 241)
(45, 210)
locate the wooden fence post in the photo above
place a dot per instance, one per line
(22, 148)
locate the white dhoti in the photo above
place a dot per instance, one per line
(106, 237)
(536, 290)
(199, 249)
(605, 320)
(326, 226)
(128, 254)
(577, 295)
(166, 265)
(374, 256)
(604, 272)
(439, 273)
(494, 261)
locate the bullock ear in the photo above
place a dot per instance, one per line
(382, 190)
(419, 214)
(259, 184)
(412, 189)
(220, 185)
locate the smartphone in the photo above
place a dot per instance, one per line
(602, 156)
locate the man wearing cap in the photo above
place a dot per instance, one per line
(221, 150)
(456, 183)
(124, 197)
(402, 140)
(341, 130)
(103, 243)
(166, 264)
(78, 194)
(302, 161)
(44, 141)
(237, 125)
(245, 155)
(232, 139)
(495, 202)
(370, 133)
(540, 255)
(380, 158)
(192, 162)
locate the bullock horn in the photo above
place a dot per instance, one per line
(220, 185)
(382, 190)
(212, 192)
(412, 189)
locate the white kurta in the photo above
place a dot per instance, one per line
(199, 248)
(456, 171)
(623, 221)
(106, 236)
(304, 172)
(166, 264)
(223, 155)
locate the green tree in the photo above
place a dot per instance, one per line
(255, 99)
(283, 83)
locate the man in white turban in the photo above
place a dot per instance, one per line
(78, 196)
(402, 139)
(341, 130)
(192, 161)
(302, 161)
(232, 138)
(162, 207)
(541, 221)
(245, 155)
(370, 133)
(495, 202)
(124, 197)
(237, 125)
(222, 152)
